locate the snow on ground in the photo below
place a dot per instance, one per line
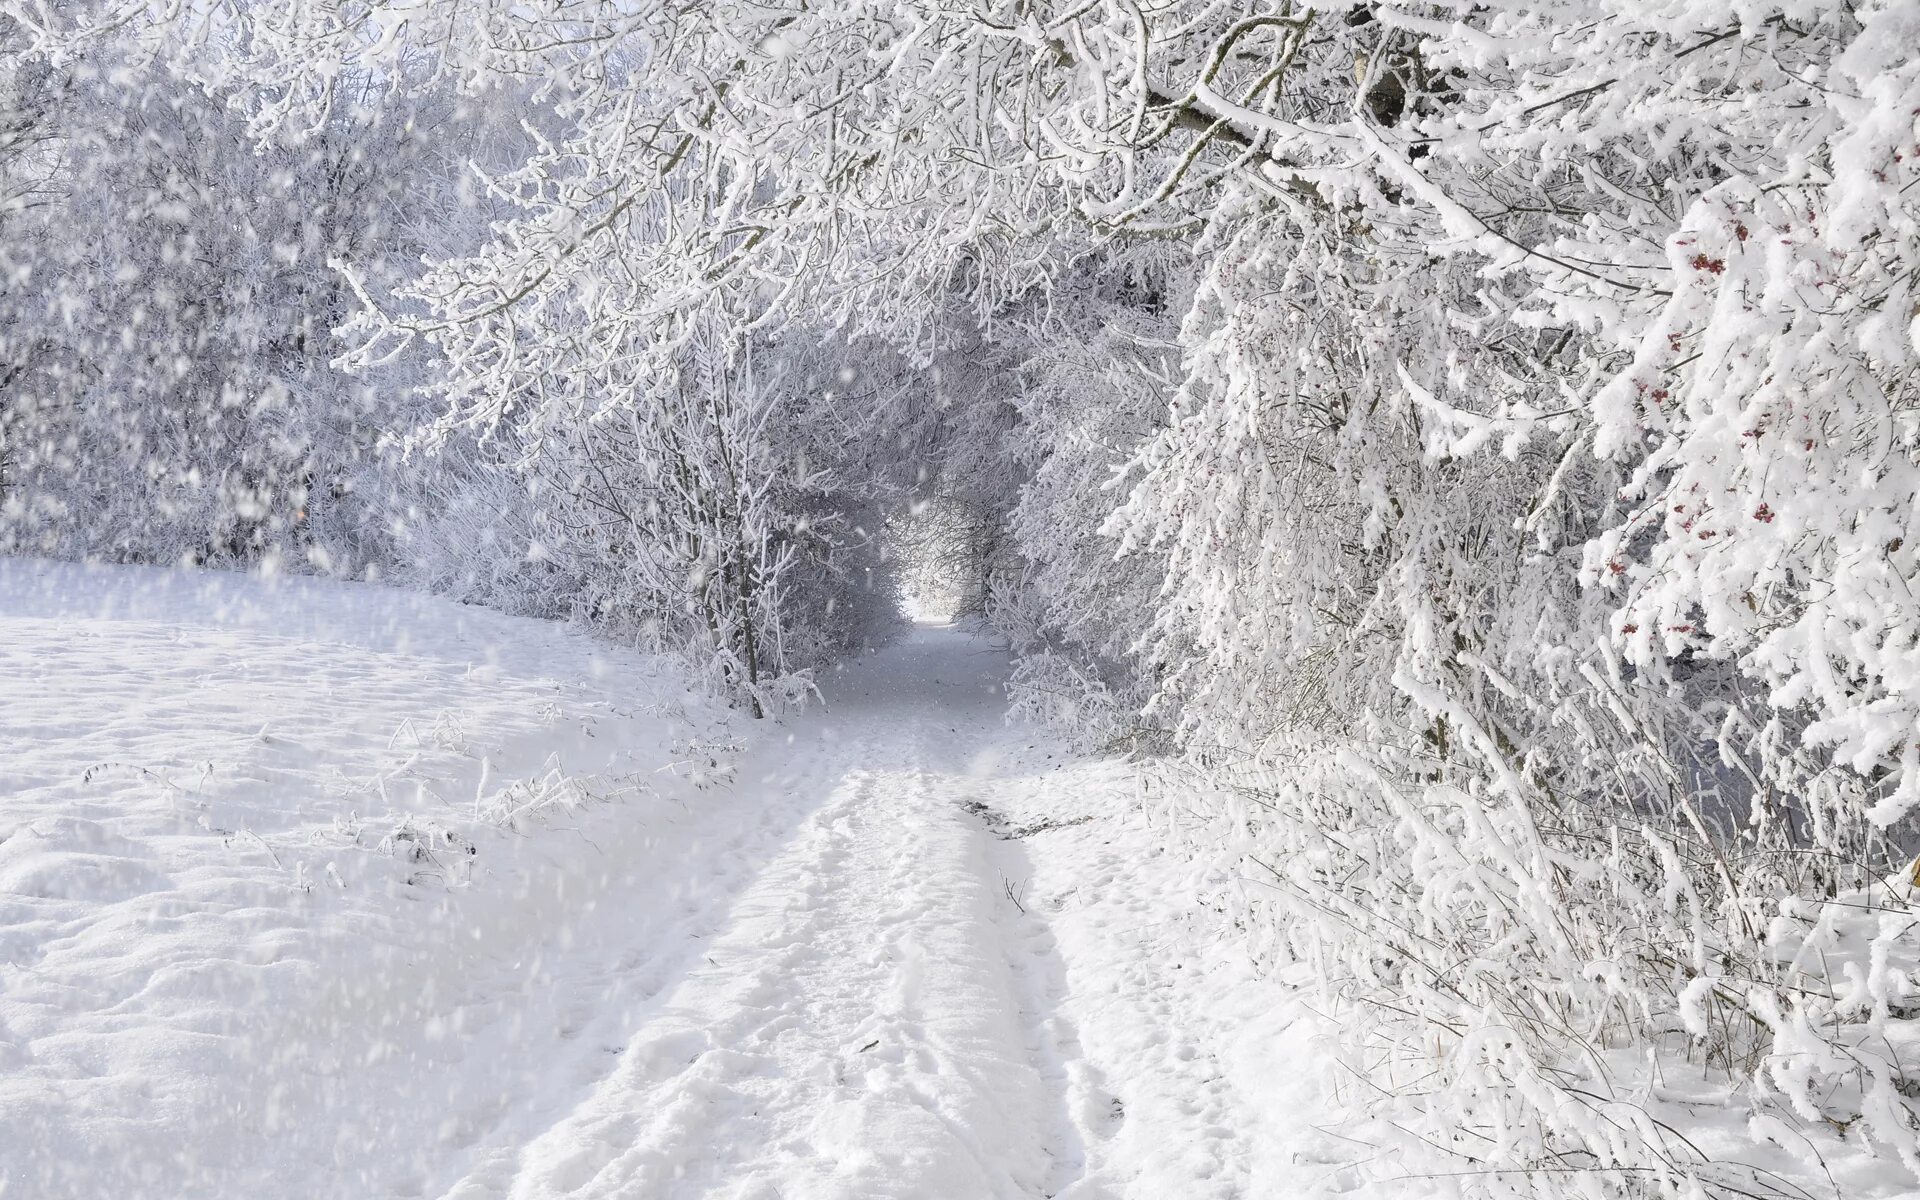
(260, 848)
(1185, 1072)
(314, 890)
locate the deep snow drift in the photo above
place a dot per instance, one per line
(326, 890)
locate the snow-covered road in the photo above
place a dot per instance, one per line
(861, 1017)
(910, 952)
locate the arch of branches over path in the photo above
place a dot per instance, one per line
(1474, 442)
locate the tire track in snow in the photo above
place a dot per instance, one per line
(1084, 1111)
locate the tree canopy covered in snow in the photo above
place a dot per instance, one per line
(1474, 447)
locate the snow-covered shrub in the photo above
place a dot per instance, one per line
(1482, 619)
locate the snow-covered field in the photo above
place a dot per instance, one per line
(315, 890)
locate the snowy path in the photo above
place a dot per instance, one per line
(910, 953)
(854, 1024)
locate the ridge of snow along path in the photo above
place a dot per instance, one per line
(313, 890)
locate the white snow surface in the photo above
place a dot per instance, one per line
(317, 890)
